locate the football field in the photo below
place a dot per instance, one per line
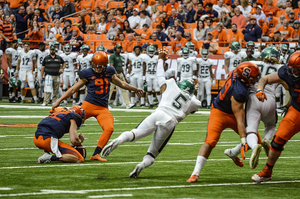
(22, 177)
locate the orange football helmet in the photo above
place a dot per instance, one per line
(79, 110)
(248, 73)
(294, 66)
(100, 60)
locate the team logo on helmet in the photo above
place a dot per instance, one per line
(235, 46)
(187, 85)
(248, 73)
(151, 51)
(185, 52)
(190, 46)
(100, 60)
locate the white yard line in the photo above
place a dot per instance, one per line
(5, 188)
(111, 196)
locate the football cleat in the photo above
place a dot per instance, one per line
(109, 148)
(45, 158)
(97, 157)
(129, 106)
(266, 145)
(136, 172)
(193, 178)
(264, 175)
(235, 159)
(255, 156)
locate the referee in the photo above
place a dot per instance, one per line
(53, 65)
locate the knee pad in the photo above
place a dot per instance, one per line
(23, 85)
(277, 144)
(31, 84)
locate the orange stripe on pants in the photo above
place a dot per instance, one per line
(104, 118)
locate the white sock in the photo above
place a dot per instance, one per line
(9, 95)
(127, 136)
(252, 140)
(13, 94)
(81, 98)
(158, 98)
(208, 100)
(150, 98)
(23, 97)
(236, 150)
(132, 99)
(277, 104)
(143, 100)
(147, 161)
(35, 98)
(199, 165)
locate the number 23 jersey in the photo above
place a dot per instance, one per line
(176, 102)
(98, 85)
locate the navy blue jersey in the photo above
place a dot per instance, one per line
(233, 87)
(98, 85)
(294, 86)
(57, 124)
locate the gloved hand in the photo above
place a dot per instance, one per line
(244, 148)
(128, 78)
(261, 96)
(284, 110)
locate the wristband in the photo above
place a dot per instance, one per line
(36, 70)
(194, 77)
(259, 90)
(243, 140)
(1, 71)
(16, 71)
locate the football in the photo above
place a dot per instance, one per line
(81, 149)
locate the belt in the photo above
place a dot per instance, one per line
(204, 76)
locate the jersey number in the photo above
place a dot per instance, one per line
(204, 70)
(151, 68)
(236, 63)
(186, 68)
(226, 87)
(54, 115)
(137, 64)
(25, 61)
(102, 83)
(41, 60)
(83, 65)
(177, 104)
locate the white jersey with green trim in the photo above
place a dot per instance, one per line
(204, 66)
(40, 57)
(85, 61)
(26, 59)
(151, 64)
(14, 55)
(137, 63)
(186, 67)
(235, 59)
(177, 103)
(69, 59)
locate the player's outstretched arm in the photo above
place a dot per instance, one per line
(268, 79)
(70, 92)
(126, 86)
(160, 72)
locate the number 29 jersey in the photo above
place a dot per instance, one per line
(14, 56)
(176, 102)
(98, 85)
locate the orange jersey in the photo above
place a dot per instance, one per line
(265, 29)
(273, 23)
(146, 35)
(297, 13)
(129, 46)
(16, 4)
(253, 11)
(220, 36)
(87, 19)
(88, 4)
(273, 9)
(97, 17)
(168, 8)
(286, 33)
(296, 34)
(177, 45)
(157, 42)
(101, 4)
(237, 36)
(108, 25)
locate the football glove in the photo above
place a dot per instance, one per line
(244, 148)
(261, 96)
(284, 110)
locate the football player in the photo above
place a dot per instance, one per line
(187, 67)
(257, 111)
(20, 44)
(52, 128)
(25, 66)
(289, 125)
(69, 71)
(57, 48)
(284, 54)
(136, 72)
(84, 61)
(177, 102)
(256, 53)
(233, 57)
(191, 47)
(97, 80)
(151, 63)
(227, 111)
(206, 77)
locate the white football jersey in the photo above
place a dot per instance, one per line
(256, 54)
(204, 66)
(177, 103)
(40, 57)
(26, 59)
(151, 64)
(137, 63)
(235, 59)
(14, 55)
(69, 59)
(85, 62)
(284, 58)
(1, 54)
(266, 69)
(186, 67)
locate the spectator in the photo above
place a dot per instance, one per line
(210, 12)
(259, 14)
(92, 26)
(225, 20)
(57, 14)
(265, 30)
(4, 7)
(160, 5)
(97, 14)
(170, 6)
(85, 15)
(134, 20)
(231, 11)
(268, 7)
(173, 17)
(210, 44)
(101, 25)
(296, 32)
(286, 30)
(120, 17)
(236, 3)
(172, 32)
(278, 38)
(280, 22)
(179, 26)
(68, 8)
(6, 32)
(190, 15)
(13, 21)
(144, 19)
(200, 31)
(66, 31)
(81, 24)
(200, 12)
(49, 36)
(292, 18)
(154, 40)
(252, 32)
(127, 26)
(210, 26)
(185, 3)
(281, 4)
(165, 27)
(35, 33)
(14, 5)
(139, 41)
(271, 21)
(146, 33)
(220, 34)
(56, 29)
(129, 11)
(178, 43)
(130, 43)
(181, 11)
(235, 34)
(100, 4)
(188, 37)
(143, 8)
(155, 13)
(195, 4)
(121, 41)
(161, 36)
(239, 19)
(75, 40)
(245, 8)
(220, 7)
(297, 10)
(21, 22)
(45, 6)
(112, 30)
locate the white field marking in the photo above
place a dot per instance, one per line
(44, 192)
(5, 188)
(97, 164)
(111, 196)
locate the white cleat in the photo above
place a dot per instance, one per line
(136, 172)
(255, 156)
(43, 104)
(235, 159)
(129, 106)
(266, 145)
(109, 148)
(45, 158)
(64, 103)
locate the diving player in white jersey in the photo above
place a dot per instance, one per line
(12, 60)
(256, 53)
(84, 61)
(69, 71)
(177, 102)
(186, 66)
(136, 72)
(257, 111)
(206, 77)
(41, 54)
(152, 84)
(233, 57)
(26, 64)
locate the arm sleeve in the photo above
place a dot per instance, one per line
(160, 73)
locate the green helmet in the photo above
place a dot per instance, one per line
(14, 82)
(101, 48)
(56, 44)
(250, 44)
(151, 50)
(20, 41)
(235, 46)
(67, 48)
(87, 47)
(270, 54)
(187, 85)
(284, 49)
(190, 45)
(185, 52)
(204, 54)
